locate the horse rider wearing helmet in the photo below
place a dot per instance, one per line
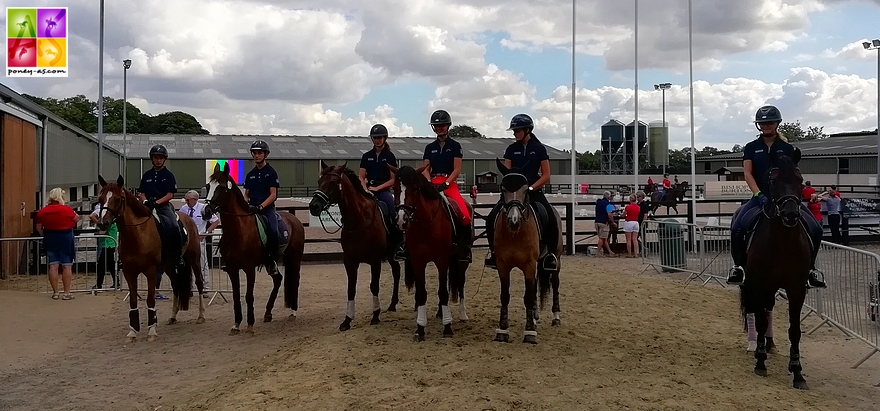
(443, 159)
(156, 190)
(528, 155)
(756, 165)
(261, 190)
(376, 178)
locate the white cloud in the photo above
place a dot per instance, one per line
(851, 51)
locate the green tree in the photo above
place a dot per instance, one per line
(464, 131)
(795, 132)
(590, 161)
(736, 148)
(175, 122)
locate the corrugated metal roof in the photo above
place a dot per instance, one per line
(303, 147)
(835, 146)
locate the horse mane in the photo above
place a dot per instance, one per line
(131, 201)
(236, 193)
(788, 170)
(355, 181)
(418, 182)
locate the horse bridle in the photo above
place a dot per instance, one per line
(409, 211)
(778, 203)
(515, 203)
(215, 205)
(329, 203)
(117, 214)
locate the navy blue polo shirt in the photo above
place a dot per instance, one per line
(527, 157)
(759, 153)
(376, 165)
(443, 159)
(258, 181)
(155, 184)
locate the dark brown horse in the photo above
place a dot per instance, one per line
(779, 257)
(140, 251)
(428, 231)
(241, 248)
(364, 239)
(669, 198)
(518, 245)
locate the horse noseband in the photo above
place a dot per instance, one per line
(515, 204)
(325, 198)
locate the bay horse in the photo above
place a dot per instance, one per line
(669, 198)
(428, 230)
(518, 245)
(241, 248)
(140, 251)
(364, 237)
(779, 257)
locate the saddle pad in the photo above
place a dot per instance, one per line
(385, 214)
(450, 212)
(261, 228)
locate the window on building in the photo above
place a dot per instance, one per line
(842, 166)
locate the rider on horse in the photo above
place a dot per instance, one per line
(529, 155)
(756, 165)
(157, 188)
(374, 173)
(443, 159)
(261, 190)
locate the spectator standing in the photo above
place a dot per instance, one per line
(631, 215)
(604, 220)
(832, 206)
(55, 222)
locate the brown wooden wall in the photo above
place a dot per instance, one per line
(18, 176)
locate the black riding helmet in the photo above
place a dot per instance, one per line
(260, 145)
(767, 114)
(441, 117)
(158, 150)
(378, 130)
(521, 121)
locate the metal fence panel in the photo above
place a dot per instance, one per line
(23, 265)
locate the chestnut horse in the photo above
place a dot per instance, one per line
(140, 251)
(428, 230)
(241, 248)
(779, 257)
(364, 239)
(518, 245)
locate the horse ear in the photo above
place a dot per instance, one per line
(501, 167)
(344, 164)
(101, 181)
(392, 168)
(120, 181)
(797, 156)
(217, 168)
(324, 165)
(421, 169)
(226, 169)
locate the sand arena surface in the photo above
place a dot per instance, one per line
(626, 342)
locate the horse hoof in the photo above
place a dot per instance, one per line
(267, 318)
(439, 314)
(375, 320)
(249, 333)
(419, 338)
(171, 321)
(130, 340)
(152, 338)
(801, 385)
(556, 322)
(292, 316)
(345, 326)
(234, 331)
(392, 308)
(502, 337)
(760, 372)
(201, 320)
(447, 331)
(530, 339)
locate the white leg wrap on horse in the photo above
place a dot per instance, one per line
(422, 316)
(447, 315)
(500, 331)
(152, 330)
(132, 333)
(375, 303)
(556, 315)
(532, 333)
(349, 309)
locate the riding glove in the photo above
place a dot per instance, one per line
(442, 186)
(255, 209)
(150, 204)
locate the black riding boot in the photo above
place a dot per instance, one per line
(737, 274)
(816, 278)
(551, 261)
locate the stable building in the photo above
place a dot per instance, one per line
(298, 158)
(842, 159)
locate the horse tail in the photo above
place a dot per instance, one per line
(544, 286)
(184, 274)
(454, 279)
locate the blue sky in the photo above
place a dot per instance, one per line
(345, 67)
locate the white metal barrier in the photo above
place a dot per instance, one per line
(23, 265)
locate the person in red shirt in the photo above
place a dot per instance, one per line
(808, 191)
(55, 222)
(666, 183)
(631, 227)
(815, 205)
